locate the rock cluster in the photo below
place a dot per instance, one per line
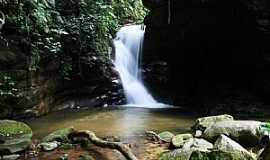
(221, 138)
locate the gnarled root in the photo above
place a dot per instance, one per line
(124, 149)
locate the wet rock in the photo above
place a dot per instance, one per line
(66, 146)
(49, 146)
(227, 145)
(166, 136)
(198, 133)
(220, 155)
(247, 133)
(198, 149)
(197, 144)
(179, 140)
(59, 135)
(11, 157)
(14, 136)
(178, 154)
(264, 153)
(193, 148)
(205, 122)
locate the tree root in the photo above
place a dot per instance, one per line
(91, 136)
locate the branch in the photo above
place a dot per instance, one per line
(124, 149)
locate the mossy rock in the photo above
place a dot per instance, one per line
(179, 140)
(201, 155)
(166, 136)
(220, 155)
(14, 136)
(246, 133)
(176, 155)
(66, 146)
(59, 135)
(205, 122)
(10, 128)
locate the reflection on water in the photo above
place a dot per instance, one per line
(114, 122)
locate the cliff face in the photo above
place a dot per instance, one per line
(211, 49)
(55, 54)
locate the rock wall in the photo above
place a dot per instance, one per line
(210, 49)
(55, 54)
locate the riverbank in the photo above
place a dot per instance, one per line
(209, 137)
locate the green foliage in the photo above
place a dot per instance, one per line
(72, 38)
(129, 10)
(7, 87)
(265, 127)
(71, 32)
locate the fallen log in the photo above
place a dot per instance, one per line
(91, 136)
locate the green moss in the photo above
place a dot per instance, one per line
(59, 135)
(219, 155)
(166, 136)
(66, 146)
(9, 128)
(198, 155)
(167, 156)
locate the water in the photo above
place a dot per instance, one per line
(125, 121)
(128, 44)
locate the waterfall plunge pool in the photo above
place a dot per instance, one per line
(123, 121)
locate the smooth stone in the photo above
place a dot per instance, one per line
(166, 136)
(179, 140)
(11, 157)
(203, 151)
(198, 133)
(205, 122)
(230, 147)
(198, 144)
(247, 133)
(49, 146)
(186, 152)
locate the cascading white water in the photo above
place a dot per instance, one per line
(128, 44)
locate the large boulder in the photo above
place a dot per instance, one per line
(198, 149)
(247, 133)
(200, 146)
(205, 122)
(14, 136)
(227, 145)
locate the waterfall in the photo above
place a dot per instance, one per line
(128, 46)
